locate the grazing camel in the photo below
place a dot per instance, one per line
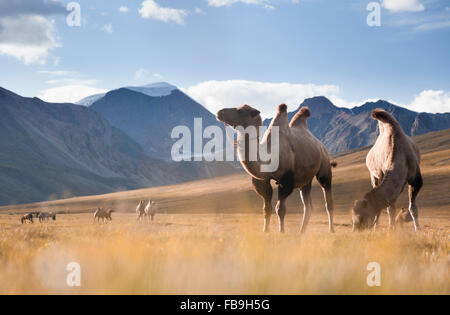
(27, 217)
(302, 157)
(150, 210)
(104, 214)
(393, 162)
(140, 210)
(45, 216)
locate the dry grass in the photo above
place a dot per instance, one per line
(219, 254)
(208, 240)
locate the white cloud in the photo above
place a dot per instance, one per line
(432, 26)
(403, 5)
(431, 101)
(108, 28)
(199, 11)
(215, 95)
(141, 74)
(29, 38)
(144, 75)
(35, 7)
(151, 10)
(69, 93)
(266, 96)
(124, 9)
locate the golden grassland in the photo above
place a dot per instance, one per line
(208, 240)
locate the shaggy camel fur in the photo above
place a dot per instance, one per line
(302, 157)
(150, 210)
(104, 214)
(393, 162)
(27, 217)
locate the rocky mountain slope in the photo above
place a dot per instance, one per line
(343, 129)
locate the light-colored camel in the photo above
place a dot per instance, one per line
(45, 216)
(140, 210)
(301, 158)
(150, 210)
(104, 214)
(393, 162)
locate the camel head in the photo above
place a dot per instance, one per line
(362, 215)
(241, 116)
(403, 216)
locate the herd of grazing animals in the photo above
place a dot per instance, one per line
(393, 163)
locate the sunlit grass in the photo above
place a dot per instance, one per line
(217, 254)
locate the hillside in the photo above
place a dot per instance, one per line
(50, 151)
(234, 193)
(149, 120)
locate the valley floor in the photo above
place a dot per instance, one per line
(221, 254)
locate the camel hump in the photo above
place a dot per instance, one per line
(300, 118)
(385, 117)
(282, 108)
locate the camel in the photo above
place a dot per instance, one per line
(140, 210)
(27, 217)
(104, 214)
(301, 158)
(393, 162)
(45, 216)
(150, 210)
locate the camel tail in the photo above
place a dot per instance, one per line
(334, 164)
(300, 118)
(385, 117)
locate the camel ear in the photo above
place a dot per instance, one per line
(255, 113)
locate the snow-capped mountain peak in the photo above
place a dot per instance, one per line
(154, 89)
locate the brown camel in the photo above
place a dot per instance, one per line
(301, 158)
(27, 217)
(393, 162)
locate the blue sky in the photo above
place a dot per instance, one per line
(229, 52)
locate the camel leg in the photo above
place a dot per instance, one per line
(325, 182)
(285, 188)
(392, 212)
(305, 193)
(264, 189)
(413, 190)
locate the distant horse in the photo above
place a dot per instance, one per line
(27, 217)
(150, 210)
(104, 214)
(140, 210)
(45, 216)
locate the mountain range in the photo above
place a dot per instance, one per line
(121, 140)
(343, 129)
(59, 150)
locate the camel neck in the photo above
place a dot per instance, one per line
(248, 157)
(387, 192)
